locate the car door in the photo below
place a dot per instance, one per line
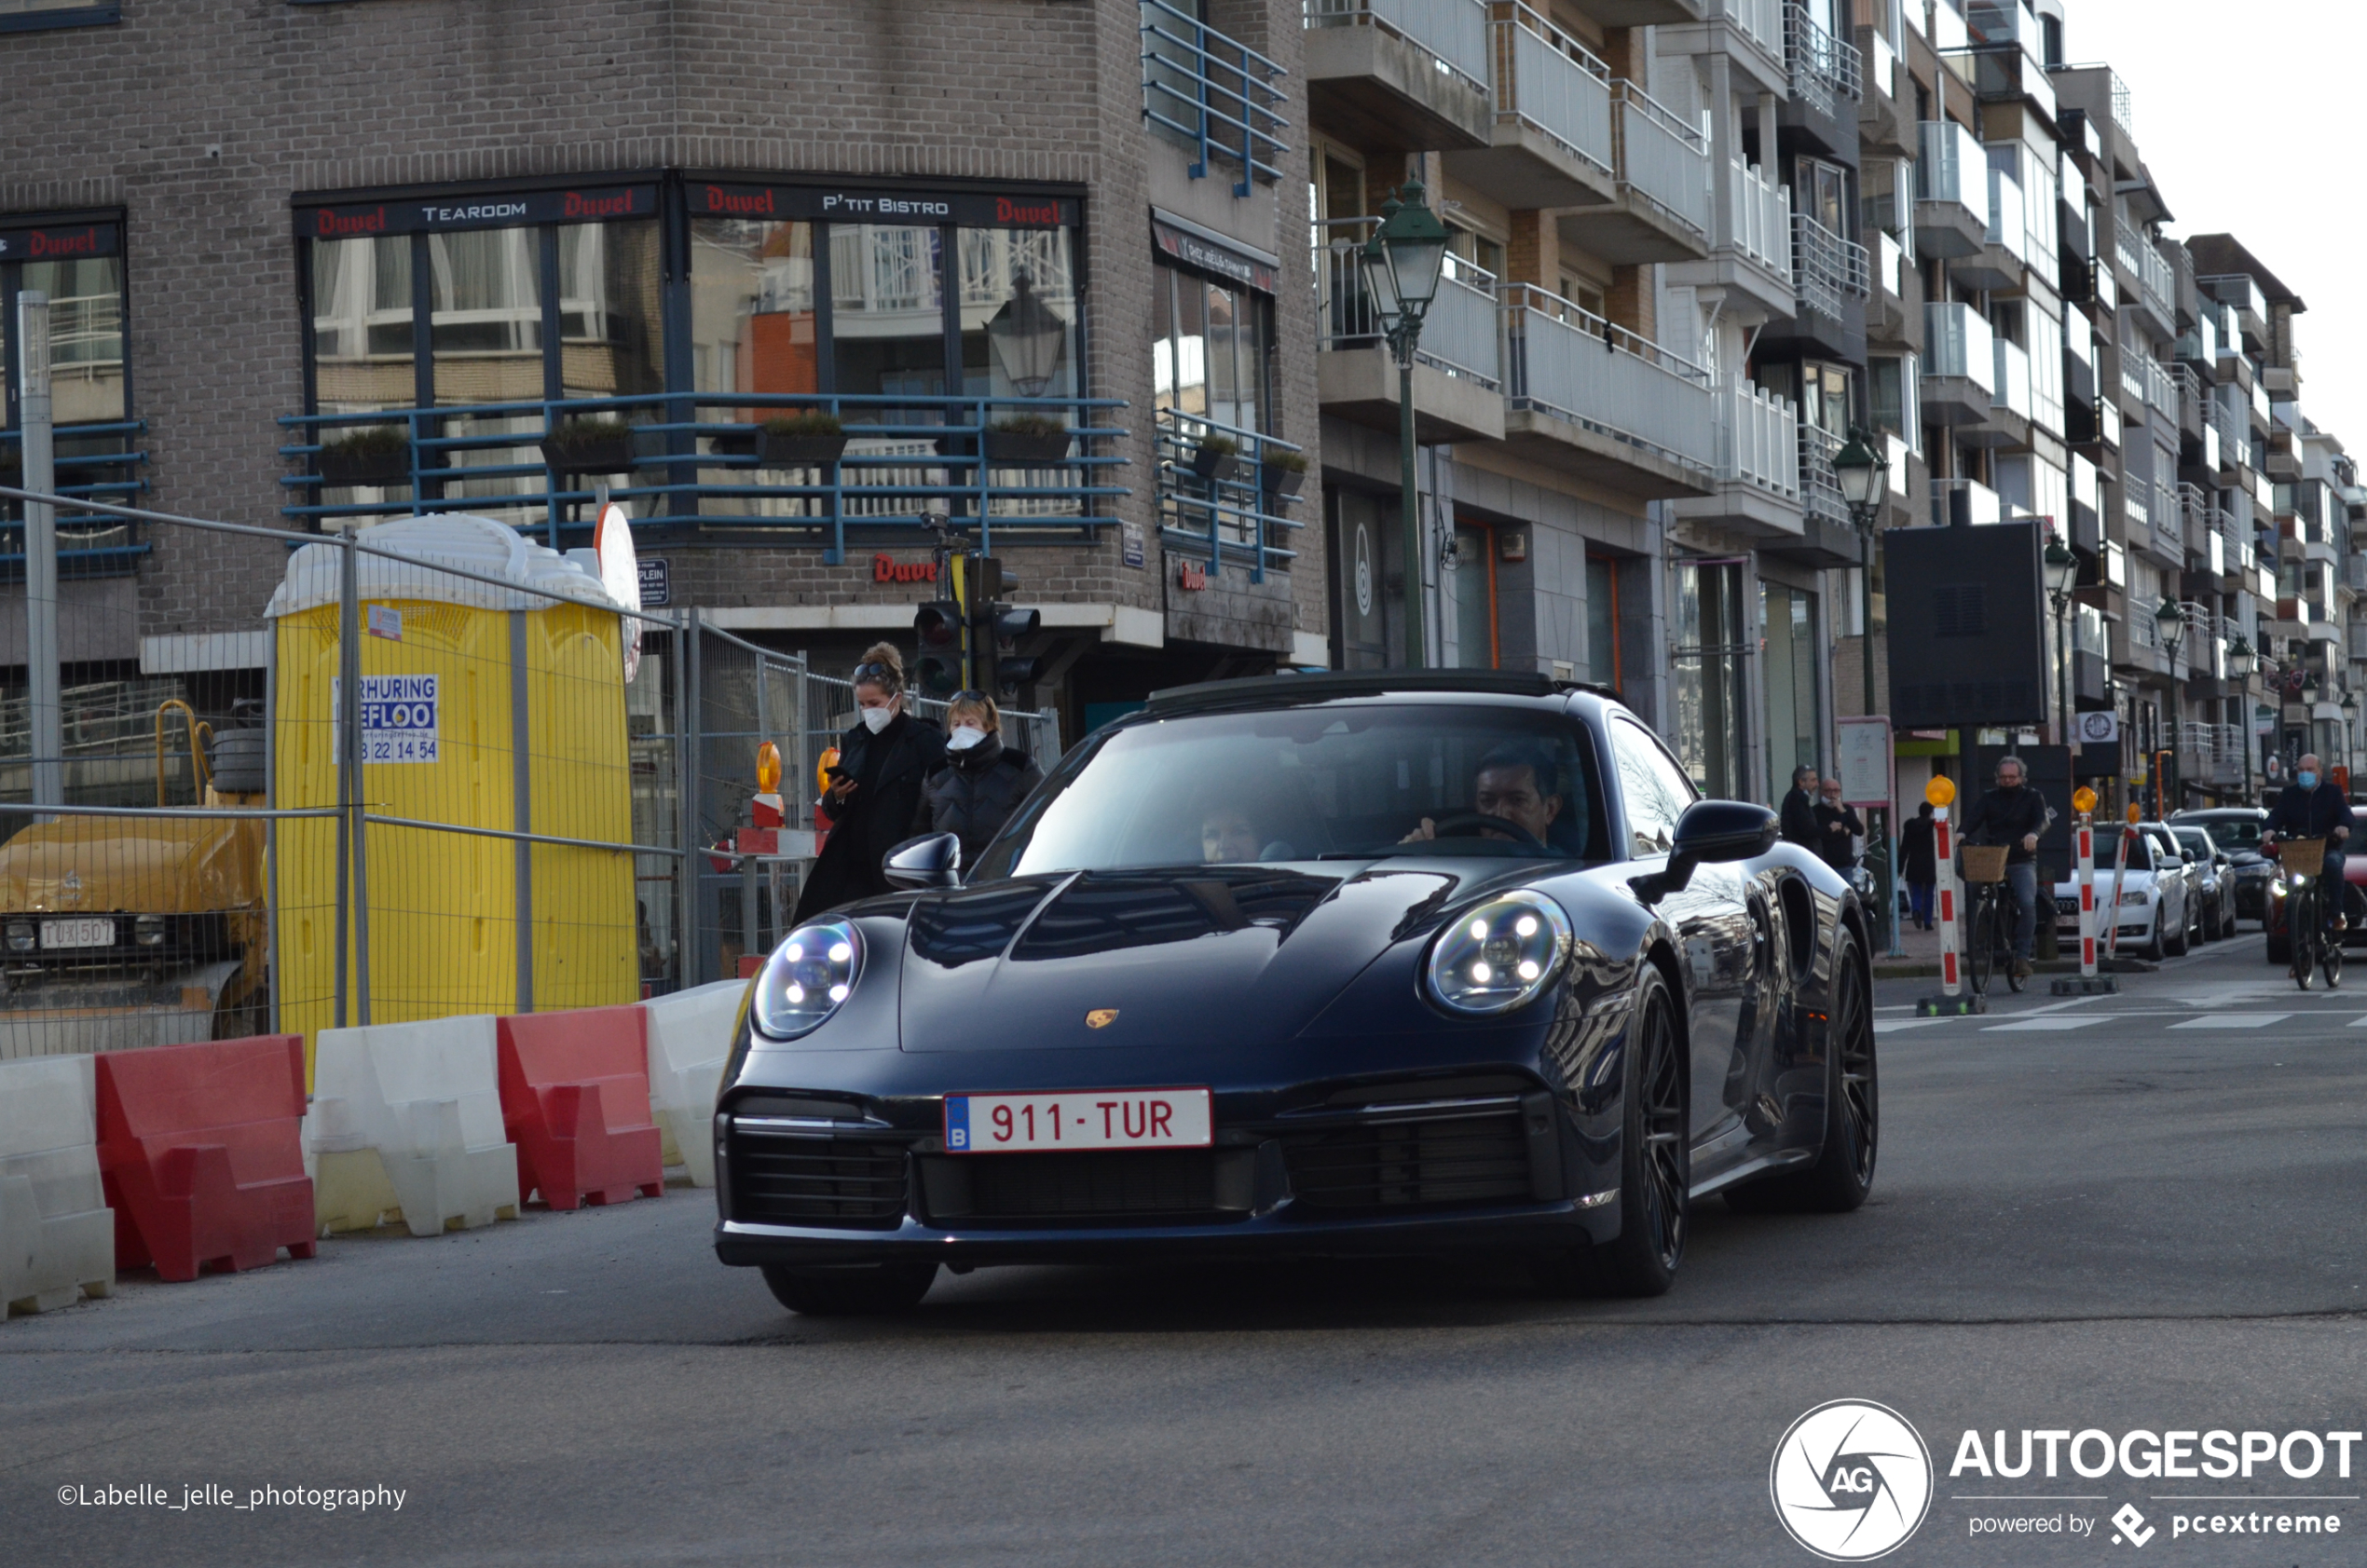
(1719, 949)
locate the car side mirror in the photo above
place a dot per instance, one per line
(933, 860)
(2188, 856)
(1710, 832)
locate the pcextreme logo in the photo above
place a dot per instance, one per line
(1850, 1480)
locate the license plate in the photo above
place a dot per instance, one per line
(1088, 1119)
(76, 933)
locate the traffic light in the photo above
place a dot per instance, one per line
(994, 624)
(938, 670)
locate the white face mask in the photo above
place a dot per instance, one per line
(877, 719)
(965, 736)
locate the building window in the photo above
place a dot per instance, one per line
(1705, 676)
(1478, 642)
(1787, 627)
(1211, 350)
(78, 262)
(31, 15)
(1602, 623)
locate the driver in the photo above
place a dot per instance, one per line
(1517, 781)
(1228, 836)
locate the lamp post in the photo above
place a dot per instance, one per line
(1863, 473)
(2170, 619)
(1401, 264)
(2063, 576)
(2240, 662)
(2350, 728)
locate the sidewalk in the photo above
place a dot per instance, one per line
(1921, 956)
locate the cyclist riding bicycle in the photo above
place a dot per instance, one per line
(2013, 814)
(2312, 808)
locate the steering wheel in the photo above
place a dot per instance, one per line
(1470, 825)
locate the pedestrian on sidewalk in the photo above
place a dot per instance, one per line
(875, 791)
(1799, 812)
(983, 780)
(1919, 864)
(1837, 829)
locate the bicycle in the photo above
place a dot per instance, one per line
(2314, 950)
(1988, 918)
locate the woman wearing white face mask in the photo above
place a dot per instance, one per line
(982, 782)
(876, 789)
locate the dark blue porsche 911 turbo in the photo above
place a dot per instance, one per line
(1312, 965)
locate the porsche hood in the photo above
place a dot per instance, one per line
(1150, 959)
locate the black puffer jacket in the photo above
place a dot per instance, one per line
(975, 794)
(888, 768)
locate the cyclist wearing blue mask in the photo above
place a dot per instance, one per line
(2314, 808)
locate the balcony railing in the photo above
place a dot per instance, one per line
(2008, 223)
(1825, 72)
(1663, 159)
(2161, 387)
(1564, 361)
(1827, 269)
(1759, 21)
(1453, 33)
(1761, 216)
(1459, 335)
(1216, 95)
(1237, 519)
(1758, 439)
(1952, 166)
(1980, 503)
(1552, 84)
(1958, 342)
(99, 461)
(2011, 389)
(2141, 261)
(694, 461)
(1820, 484)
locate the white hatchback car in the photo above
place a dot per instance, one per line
(2157, 906)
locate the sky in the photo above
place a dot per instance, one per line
(2252, 117)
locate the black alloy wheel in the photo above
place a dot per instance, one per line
(849, 1290)
(1655, 1165)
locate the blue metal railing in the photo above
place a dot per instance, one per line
(913, 459)
(88, 545)
(1216, 94)
(1228, 519)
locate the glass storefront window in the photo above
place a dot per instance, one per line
(752, 321)
(86, 336)
(887, 313)
(1705, 676)
(88, 383)
(485, 333)
(1210, 349)
(1018, 313)
(611, 310)
(1788, 621)
(362, 337)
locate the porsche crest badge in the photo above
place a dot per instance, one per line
(1101, 1017)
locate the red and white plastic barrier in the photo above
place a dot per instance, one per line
(1944, 851)
(2085, 838)
(57, 1234)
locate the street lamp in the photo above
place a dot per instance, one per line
(1401, 264)
(2170, 620)
(1863, 473)
(2063, 576)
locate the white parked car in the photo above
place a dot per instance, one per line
(2158, 907)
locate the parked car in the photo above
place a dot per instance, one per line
(2236, 830)
(2216, 877)
(1385, 963)
(2157, 907)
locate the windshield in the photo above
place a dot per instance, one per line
(2236, 832)
(1312, 783)
(2196, 840)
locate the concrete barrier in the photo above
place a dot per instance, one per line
(406, 1119)
(690, 1037)
(57, 1234)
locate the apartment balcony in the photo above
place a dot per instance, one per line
(1895, 304)
(1826, 81)
(1399, 76)
(2284, 455)
(1751, 261)
(97, 462)
(1758, 489)
(2250, 307)
(2194, 519)
(1832, 277)
(2156, 287)
(1648, 13)
(1458, 385)
(1951, 192)
(1590, 397)
(1960, 365)
(1662, 208)
(1964, 503)
(2010, 406)
(2136, 647)
(1886, 113)
(1214, 96)
(2282, 382)
(2004, 258)
(2188, 389)
(1749, 32)
(1551, 144)
(2087, 531)
(695, 460)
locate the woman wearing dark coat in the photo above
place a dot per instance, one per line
(882, 763)
(1918, 865)
(982, 782)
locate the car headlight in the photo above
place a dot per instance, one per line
(2134, 895)
(148, 931)
(806, 979)
(1499, 956)
(21, 936)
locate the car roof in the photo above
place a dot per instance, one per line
(1285, 690)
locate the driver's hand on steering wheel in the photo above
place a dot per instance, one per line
(1428, 831)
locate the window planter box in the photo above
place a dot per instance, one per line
(1026, 448)
(1281, 485)
(344, 471)
(590, 454)
(775, 449)
(1215, 465)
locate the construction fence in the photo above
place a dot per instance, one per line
(441, 771)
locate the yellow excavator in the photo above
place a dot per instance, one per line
(122, 931)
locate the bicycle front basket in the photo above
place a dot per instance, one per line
(2302, 858)
(1985, 863)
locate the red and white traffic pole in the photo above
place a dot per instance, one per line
(2085, 836)
(2120, 867)
(1944, 851)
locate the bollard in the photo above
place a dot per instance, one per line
(2112, 917)
(1941, 793)
(2083, 848)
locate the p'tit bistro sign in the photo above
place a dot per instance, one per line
(418, 215)
(873, 205)
(58, 242)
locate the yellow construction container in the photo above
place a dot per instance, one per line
(445, 661)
